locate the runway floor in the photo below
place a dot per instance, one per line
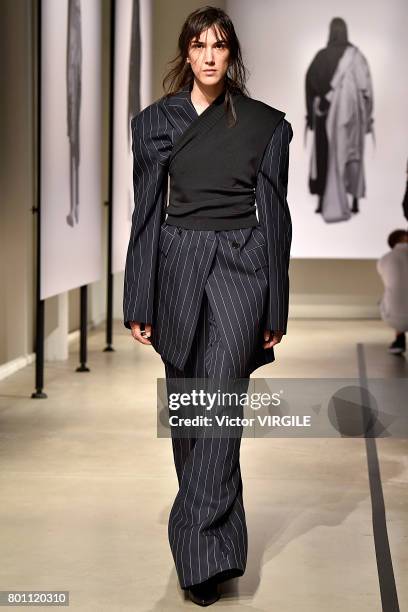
(86, 487)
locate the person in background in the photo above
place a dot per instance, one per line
(393, 269)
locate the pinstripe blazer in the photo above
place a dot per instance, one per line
(155, 130)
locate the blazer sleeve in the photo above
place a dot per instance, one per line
(275, 220)
(151, 148)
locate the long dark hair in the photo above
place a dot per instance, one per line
(181, 73)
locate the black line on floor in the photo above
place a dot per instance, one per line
(388, 588)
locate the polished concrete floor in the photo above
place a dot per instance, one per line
(86, 487)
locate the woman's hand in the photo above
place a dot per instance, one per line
(137, 332)
(271, 338)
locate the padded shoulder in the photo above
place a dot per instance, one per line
(152, 110)
(257, 107)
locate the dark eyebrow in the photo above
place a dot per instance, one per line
(221, 40)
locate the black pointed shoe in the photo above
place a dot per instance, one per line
(205, 593)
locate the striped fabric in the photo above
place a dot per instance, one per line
(207, 526)
(147, 292)
(231, 268)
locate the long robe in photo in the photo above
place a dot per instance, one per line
(348, 121)
(339, 103)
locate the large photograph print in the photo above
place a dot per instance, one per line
(71, 206)
(338, 69)
(132, 92)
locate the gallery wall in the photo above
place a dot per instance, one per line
(319, 287)
(16, 182)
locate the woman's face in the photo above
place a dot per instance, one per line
(209, 57)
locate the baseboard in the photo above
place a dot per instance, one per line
(10, 367)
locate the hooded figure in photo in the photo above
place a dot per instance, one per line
(339, 101)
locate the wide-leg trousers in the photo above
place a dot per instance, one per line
(227, 272)
(207, 528)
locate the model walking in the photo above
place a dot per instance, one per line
(208, 286)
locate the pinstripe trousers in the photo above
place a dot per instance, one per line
(207, 527)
